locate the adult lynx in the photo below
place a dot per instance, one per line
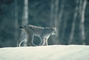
(42, 32)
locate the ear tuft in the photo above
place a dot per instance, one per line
(20, 27)
(54, 27)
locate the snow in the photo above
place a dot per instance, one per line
(51, 52)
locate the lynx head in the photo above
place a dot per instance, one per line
(54, 30)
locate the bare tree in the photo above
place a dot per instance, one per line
(24, 22)
(16, 21)
(52, 13)
(78, 15)
(60, 19)
(64, 28)
(82, 7)
(25, 13)
(54, 18)
(73, 23)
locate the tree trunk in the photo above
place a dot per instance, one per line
(60, 19)
(63, 29)
(24, 22)
(73, 23)
(16, 21)
(54, 18)
(25, 13)
(52, 13)
(56, 39)
(82, 14)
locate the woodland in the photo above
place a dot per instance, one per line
(71, 17)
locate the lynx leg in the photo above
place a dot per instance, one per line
(46, 42)
(30, 41)
(30, 38)
(42, 42)
(20, 43)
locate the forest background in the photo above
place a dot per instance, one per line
(71, 17)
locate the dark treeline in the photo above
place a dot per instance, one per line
(71, 17)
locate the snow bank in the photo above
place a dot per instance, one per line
(55, 52)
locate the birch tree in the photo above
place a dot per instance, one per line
(16, 21)
(73, 23)
(63, 29)
(82, 7)
(78, 15)
(56, 39)
(60, 19)
(52, 13)
(56, 17)
(24, 22)
(25, 13)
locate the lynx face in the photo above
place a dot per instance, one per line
(54, 31)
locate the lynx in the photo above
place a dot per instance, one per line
(42, 32)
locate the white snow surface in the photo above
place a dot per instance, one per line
(51, 52)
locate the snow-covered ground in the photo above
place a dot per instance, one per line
(55, 52)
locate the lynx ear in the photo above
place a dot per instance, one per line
(20, 27)
(54, 27)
